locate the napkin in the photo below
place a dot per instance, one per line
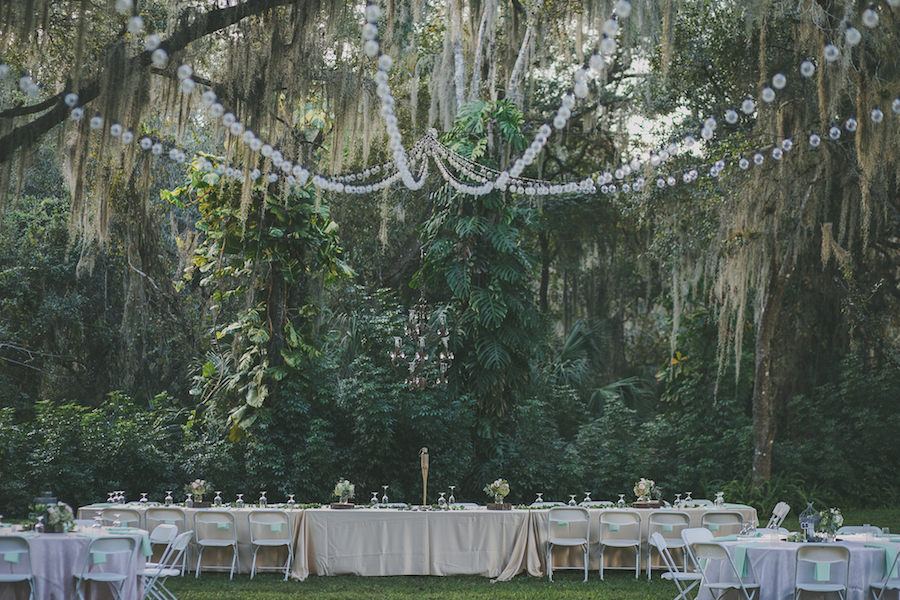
(98, 557)
(275, 527)
(11, 557)
(822, 571)
(890, 553)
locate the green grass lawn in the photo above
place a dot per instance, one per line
(619, 585)
(615, 586)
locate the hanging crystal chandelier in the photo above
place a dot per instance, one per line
(425, 354)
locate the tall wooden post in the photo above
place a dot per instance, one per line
(423, 457)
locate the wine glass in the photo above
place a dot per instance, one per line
(720, 499)
(189, 501)
(117, 520)
(262, 500)
(374, 500)
(384, 498)
(98, 521)
(39, 526)
(143, 499)
(218, 499)
(621, 502)
(168, 499)
(291, 502)
(452, 499)
(687, 498)
(572, 500)
(540, 498)
(587, 496)
(442, 502)
(677, 500)
(109, 497)
(239, 503)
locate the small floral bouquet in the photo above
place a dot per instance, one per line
(57, 518)
(498, 490)
(830, 520)
(644, 488)
(198, 488)
(344, 490)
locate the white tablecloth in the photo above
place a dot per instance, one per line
(57, 557)
(267, 557)
(774, 565)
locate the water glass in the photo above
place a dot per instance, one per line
(262, 500)
(168, 499)
(442, 502)
(39, 526)
(621, 502)
(572, 500)
(218, 499)
(239, 503)
(452, 499)
(720, 499)
(291, 502)
(384, 498)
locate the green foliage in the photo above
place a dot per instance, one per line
(265, 255)
(474, 254)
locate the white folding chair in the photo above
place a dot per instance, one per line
(822, 569)
(891, 581)
(859, 529)
(154, 577)
(215, 529)
(692, 535)
(722, 522)
(15, 564)
(127, 517)
(270, 529)
(778, 514)
(568, 527)
(727, 578)
(669, 524)
(168, 515)
(684, 581)
(162, 535)
(105, 555)
(621, 529)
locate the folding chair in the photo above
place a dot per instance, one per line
(728, 578)
(169, 515)
(669, 524)
(127, 517)
(722, 522)
(154, 577)
(270, 529)
(684, 581)
(15, 563)
(162, 535)
(621, 529)
(692, 535)
(215, 529)
(891, 581)
(822, 569)
(567, 527)
(778, 514)
(107, 550)
(859, 529)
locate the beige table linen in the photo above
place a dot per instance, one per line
(57, 557)
(267, 557)
(394, 542)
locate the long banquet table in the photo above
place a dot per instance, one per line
(57, 557)
(387, 541)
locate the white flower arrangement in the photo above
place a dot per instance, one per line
(644, 487)
(343, 489)
(499, 487)
(198, 488)
(58, 517)
(830, 520)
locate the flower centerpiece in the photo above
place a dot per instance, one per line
(57, 518)
(830, 520)
(644, 488)
(198, 488)
(498, 490)
(344, 490)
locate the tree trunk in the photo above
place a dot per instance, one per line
(763, 392)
